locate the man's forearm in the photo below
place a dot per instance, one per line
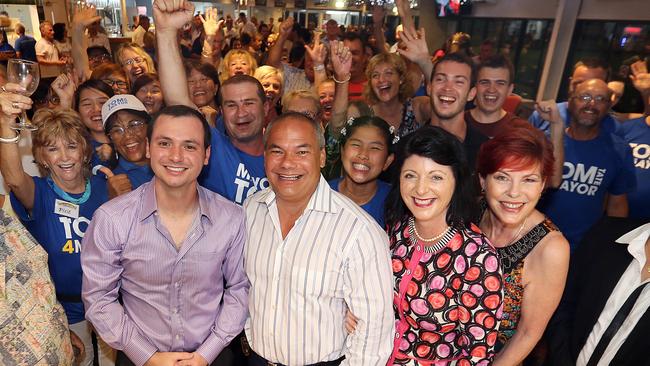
(173, 80)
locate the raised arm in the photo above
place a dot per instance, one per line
(548, 111)
(170, 16)
(378, 27)
(82, 18)
(417, 50)
(11, 166)
(318, 54)
(275, 53)
(212, 27)
(405, 15)
(641, 81)
(342, 63)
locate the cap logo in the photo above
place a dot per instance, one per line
(117, 102)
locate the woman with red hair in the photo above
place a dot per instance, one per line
(514, 168)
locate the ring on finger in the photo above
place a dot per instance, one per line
(15, 105)
(3, 89)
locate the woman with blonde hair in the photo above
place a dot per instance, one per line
(55, 209)
(272, 80)
(237, 62)
(389, 91)
(134, 60)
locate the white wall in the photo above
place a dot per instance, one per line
(546, 9)
(615, 10)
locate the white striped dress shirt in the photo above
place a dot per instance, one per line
(335, 257)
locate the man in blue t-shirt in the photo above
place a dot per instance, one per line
(636, 133)
(597, 166)
(583, 70)
(25, 45)
(236, 166)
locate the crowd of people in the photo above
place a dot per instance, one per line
(224, 192)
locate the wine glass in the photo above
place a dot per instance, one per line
(26, 74)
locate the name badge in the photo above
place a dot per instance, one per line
(65, 208)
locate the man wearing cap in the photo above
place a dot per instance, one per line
(172, 250)
(125, 121)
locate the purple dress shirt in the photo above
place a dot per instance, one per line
(174, 299)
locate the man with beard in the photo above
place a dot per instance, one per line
(451, 87)
(583, 70)
(236, 165)
(597, 164)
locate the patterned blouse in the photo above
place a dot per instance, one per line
(512, 260)
(34, 328)
(447, 302)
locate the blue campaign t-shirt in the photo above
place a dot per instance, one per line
(591, 170)
(138, 174)
(232, 173)
(60, 234)
(375, 207)
(26, 45)
(608, 124)
(636, 133)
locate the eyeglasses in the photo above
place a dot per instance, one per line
(586, 98)
(112, 83)
(131, 61)
(192, 82)
(132, 127)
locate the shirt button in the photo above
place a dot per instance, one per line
(177, 285)
(175, 311)
(396, 335)
(408, 271)
(417, 248)
(178, 336)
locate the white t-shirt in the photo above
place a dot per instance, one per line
(49, 52)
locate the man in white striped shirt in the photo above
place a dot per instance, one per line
(311, 254)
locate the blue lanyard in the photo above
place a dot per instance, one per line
(63, 194)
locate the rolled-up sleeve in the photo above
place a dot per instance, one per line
(368, 294)
(234, 310)
(102, 269)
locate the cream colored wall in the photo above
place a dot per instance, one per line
(615, 10)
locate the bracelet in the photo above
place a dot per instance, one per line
(13, 140)
(320, 67)
(341, 81)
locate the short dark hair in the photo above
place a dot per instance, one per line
(434, 143)
(353, 36)
(182, 111)
(59, 31)
(143, 80)
(146, 118)
(593, 63)
(458, 58)
(206, 69)
(91, 84)
(498, 62)
(239, 79)
(97, 50)
(318, 129)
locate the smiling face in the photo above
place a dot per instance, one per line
(427, 188)
(243, 111)
(239, 65)
(90, 109)
(64, 159)
(359, 58)
(589, 114)
(129, 136)
(133, 64)
(492, 88)
(202, 89)
(177, 152)
(365, 154)
(326, 97)
(450, 89)
(292, 160)
(151, 96)
(385, 82)
(512, 194)
(272, 87)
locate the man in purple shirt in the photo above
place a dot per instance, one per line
(173, 250)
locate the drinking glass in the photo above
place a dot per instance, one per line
(26, 74)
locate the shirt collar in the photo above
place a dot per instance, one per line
(150, 206)
(636, 240)
(320, 200)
